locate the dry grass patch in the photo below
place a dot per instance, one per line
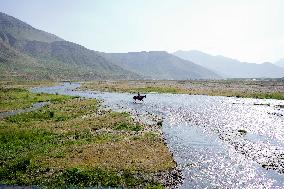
(139, 154)
(133, 86)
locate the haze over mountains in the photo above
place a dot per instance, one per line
(28, 53)
(231, 68)
(280, 63)
(160, 65)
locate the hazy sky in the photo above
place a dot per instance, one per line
(249, 30)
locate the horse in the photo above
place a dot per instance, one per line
(140, 97)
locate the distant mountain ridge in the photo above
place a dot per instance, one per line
(160, 65)
(231, 68)
(28, 53)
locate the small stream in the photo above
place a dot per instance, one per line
(203, 132)
(34, 106)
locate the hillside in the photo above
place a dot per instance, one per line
(231, 68)
(28, 53)
(16, 65)
(160, 65)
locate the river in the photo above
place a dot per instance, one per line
(218, 142)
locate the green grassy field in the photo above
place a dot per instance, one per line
(71, 142)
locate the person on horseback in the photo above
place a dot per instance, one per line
(139, 97)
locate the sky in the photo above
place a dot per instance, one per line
(247, 30)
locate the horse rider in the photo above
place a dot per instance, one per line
(139, 97)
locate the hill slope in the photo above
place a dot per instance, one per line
(231, 68)
(30, 53)
(160, 65)
(16, 65)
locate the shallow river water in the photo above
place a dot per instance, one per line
(205, 135)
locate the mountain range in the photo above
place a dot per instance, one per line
(160, 65)
(27, 53)
(231, 68)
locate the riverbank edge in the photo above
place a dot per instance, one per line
(171, 178)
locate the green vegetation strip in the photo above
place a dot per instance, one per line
(230, 88)
(72, 143)
(17, 98)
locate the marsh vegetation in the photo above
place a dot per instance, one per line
(72, 142)
(18, 98)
